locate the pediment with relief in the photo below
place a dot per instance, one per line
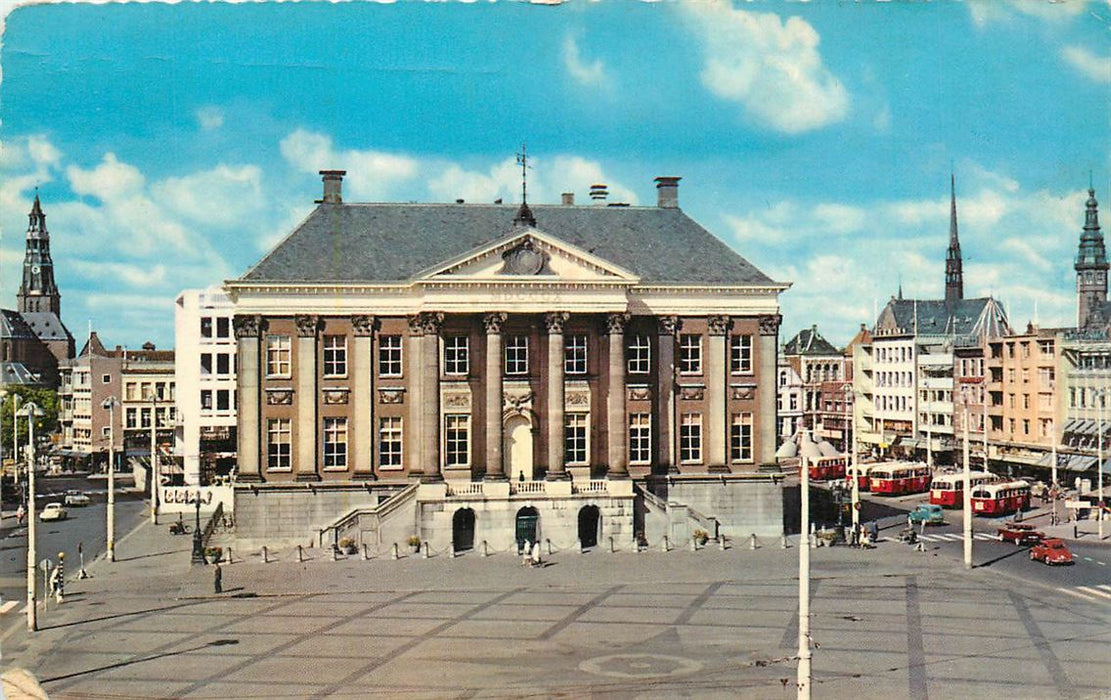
(529, 255)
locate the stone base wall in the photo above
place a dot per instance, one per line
(742, 507)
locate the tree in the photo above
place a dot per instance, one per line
(47, 423)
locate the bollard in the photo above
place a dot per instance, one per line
(694, 543)
(395, 556)
(783, 541)
(81, 560)
(549, 543)
(485, 549)
(612, 549)
(265, 555)
(229, 555)
(753, 544)
(426, 549)
(366, 552)
(451, 551)
(61, 590)
(335, 553)
(300, 555)
(667, 544)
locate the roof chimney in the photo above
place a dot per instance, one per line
(568, 198)
(667, 192)
(333, 186)
(598, 193)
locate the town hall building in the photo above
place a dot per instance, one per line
(482, 374)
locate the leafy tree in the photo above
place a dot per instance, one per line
(47, 423)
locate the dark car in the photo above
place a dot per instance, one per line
(1020, 533)
(1051, 551)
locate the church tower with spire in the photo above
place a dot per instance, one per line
(38, 293)
(1091, 269)
(954, 275)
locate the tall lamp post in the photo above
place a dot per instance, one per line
(32, 411)
(1100, 394)
(153, 457)
(967, 496)
(804, 672)
(850, 402)
(111, 403)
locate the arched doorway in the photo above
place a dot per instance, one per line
(518, 448)
(462, 530)
(590, 526)
(528, 526)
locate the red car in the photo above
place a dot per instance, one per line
(1051, 551)
(1020, 534)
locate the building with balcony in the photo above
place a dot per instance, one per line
(204, 373)
(818, 363)
(467, 373)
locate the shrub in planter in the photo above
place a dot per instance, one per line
(213, 554)
(701, 536)
(347, 545)
(414, 542)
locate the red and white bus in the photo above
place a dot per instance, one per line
(895, 478)
(861, 473)
(1000, 498)
(947, 490)
(826, 468)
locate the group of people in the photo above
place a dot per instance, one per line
(530, 553)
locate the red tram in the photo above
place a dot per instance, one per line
(1000, 498)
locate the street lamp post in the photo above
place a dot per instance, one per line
(1100, 393)
(851, 400)
(153, 457)
(967, 492)
(198, 543)
(804, 673)
(31, 411)
(111, 403)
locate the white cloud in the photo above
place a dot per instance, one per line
(773, 68)
(109, 180)
(370, 174)
(985, 12)
(1098, 68)
(223, 196)
(210, 117)
(591, 73)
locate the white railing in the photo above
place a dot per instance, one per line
(473, 488)
(527, 487)
(592, 486)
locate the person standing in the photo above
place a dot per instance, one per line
(20, 514)
(536, 554)
(217, 578)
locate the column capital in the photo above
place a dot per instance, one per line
(769, 325)
(615, 323)
(248, 326)
(719, 325)
(364, 325)
(493, 322)
(554, 321)
(415, 326)
(668, 325)
(431, 322)
(307, 325)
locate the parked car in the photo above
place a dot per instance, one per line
(77, 498)
(1020, 533)
(1051, 551)
(928, 513)
(53, 511)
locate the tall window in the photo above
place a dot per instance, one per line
(223, 400)
(690, 354)
(132, 418)
(335, 356)
(206, 363)
(740, 354)
(278, 362)
(575, 434)
(456, 355)
(206, 326)
(222, 327)
(223, 363)
(335, 443)
(206, 399)
(389, 441)
(574, 355)
(640, 438)
(457, 439)
(640, 354)
(516, 354)
(144, 418)
(690, 438)
(740, 438)
(389, 356)
(279, 441)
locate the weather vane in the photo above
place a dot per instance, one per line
(522, 160)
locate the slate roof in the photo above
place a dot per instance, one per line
(809, 342)
(46, 325)
(983, 316)
(12, 326)
(395, 242)
(17, 373)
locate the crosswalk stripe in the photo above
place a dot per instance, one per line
(1077, 594)
(1095, 591)
(1106, 587)
(985, 538)
(6, 607)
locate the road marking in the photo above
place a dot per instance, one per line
(1095, 591)
(986, 538)
(1078, 594)
(6, 607)
(1087, 558)
(1101, 563)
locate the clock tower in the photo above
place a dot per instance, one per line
(38, 293)
(1091, 269)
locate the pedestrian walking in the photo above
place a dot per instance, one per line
(526, 549)
(217, 578)
(536, 554)
(20, 514)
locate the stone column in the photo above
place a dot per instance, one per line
(615, 401)
(362, 433)
(248, 335)
(414, 384)
(766, 350)
(667, 327)
(495, 464)
(431, 322)
(308, 432)
(556, 397)
(717, 376)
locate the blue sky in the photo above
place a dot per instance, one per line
(174, 144)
